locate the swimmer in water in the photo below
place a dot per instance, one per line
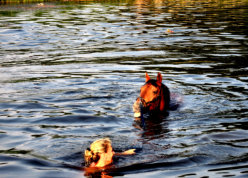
(101, 154)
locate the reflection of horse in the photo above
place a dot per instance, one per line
(154, 97)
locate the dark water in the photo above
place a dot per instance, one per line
(70, 72)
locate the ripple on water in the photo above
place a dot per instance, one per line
(71, 72)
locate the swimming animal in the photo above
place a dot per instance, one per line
(154, 97)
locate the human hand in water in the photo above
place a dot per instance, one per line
(129, 152)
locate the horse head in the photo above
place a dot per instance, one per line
(154, 97)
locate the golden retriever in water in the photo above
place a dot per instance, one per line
(101, 154)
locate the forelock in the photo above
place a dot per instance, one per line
(152, 82)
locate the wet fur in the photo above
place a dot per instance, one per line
(166, 94)
(151, 102)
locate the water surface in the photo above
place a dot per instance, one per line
(70, 72)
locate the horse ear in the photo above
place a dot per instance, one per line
(159, 79)
(147, 77)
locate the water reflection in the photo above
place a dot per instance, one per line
(70, 72)
(156, 129)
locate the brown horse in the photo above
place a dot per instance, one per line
(154, 97)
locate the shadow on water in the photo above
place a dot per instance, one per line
(151, 126)
(71, 70)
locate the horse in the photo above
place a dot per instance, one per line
(154, 98)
